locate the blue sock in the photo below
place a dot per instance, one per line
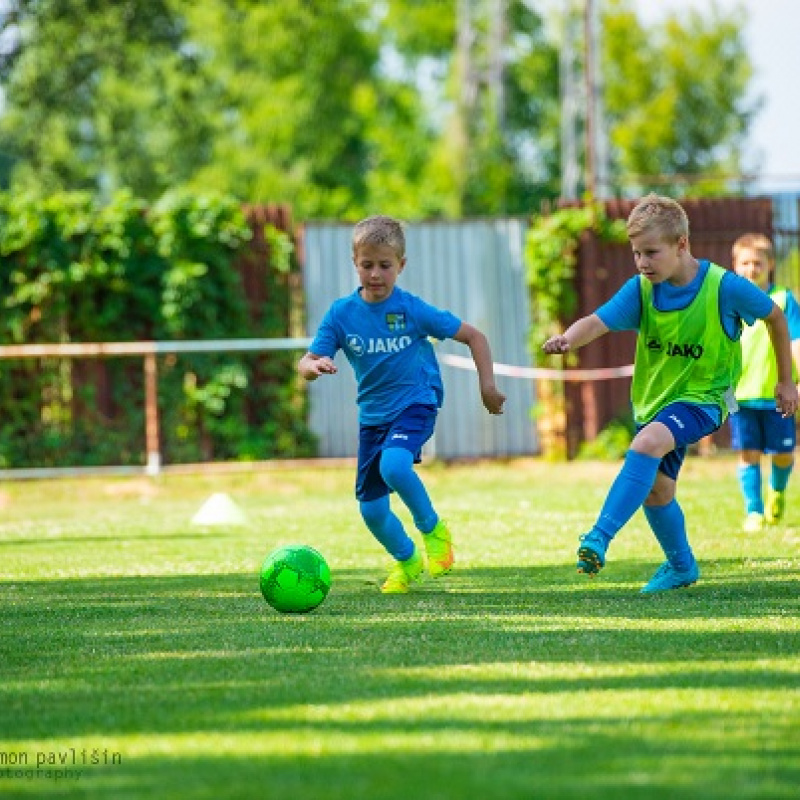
(387, 528)
(779, 478)
(750, 481)
(397, 469)
(669, 527)
(627, 493)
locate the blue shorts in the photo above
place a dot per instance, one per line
(687, 424)
(409, 430)
(762, 429)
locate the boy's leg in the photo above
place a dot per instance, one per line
(747, 437)
(387, 528)
(750, 482)
(667, 522)
(782, 465)
(401, 450)
(373, 496)
(397, 469)
(688, 424)
(669, 526)
(627, 493)
(782, 438)
(658, 447)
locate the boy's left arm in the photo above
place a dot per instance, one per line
(478, 344)
(786, 398)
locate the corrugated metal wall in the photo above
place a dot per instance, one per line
(475, 269)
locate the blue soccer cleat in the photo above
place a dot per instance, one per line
(591, 554)
(667, 577)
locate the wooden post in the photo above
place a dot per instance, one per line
(151, 414)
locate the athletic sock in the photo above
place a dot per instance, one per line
(627, 493)
(387, 528)
(397, 469)
(750, 481)
(779, 477)
(669, 526)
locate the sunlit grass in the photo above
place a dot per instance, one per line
(129, 632)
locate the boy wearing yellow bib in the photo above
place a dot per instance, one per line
(689, 315)
(758, 427)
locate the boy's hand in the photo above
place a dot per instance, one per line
(323, 366)
(493, 399)
(786, 398)
(556, 345)
(312, 366)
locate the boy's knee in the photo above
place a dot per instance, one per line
(395, 464)
(375, 511)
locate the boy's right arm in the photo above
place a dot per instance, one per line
(580, 333)
(311, 366)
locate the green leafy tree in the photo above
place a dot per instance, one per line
(308, 116)
(100, 96)
(677, 102)
(489, 77)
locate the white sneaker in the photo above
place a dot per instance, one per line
(754, 522)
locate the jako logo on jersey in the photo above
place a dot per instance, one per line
(355, 344)
(390, 344)
(694, 351)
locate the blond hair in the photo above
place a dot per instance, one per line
(661, 215)
(754, 241)
(380, 230)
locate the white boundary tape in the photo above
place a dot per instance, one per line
(461, 362)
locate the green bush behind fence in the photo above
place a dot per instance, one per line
(73, 269)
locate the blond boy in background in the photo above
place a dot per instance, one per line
(758, 427)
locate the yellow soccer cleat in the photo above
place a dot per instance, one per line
(439, 548)
(776, 505)
(403, 574)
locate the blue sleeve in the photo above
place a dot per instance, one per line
(623, 312)
(326, 342)
(741, 301)
(434, 321)
(793, 316)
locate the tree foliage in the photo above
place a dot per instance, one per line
(419, 108)
(677, 106)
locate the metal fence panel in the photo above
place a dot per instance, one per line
(476, 270)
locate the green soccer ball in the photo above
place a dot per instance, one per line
(295, 579)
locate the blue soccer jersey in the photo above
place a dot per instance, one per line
(387, 345)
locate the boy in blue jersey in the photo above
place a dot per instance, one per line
(689, 315)
(384, 332)
(758, 427)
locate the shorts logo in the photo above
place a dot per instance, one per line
(399, 436)
(355, 344)
(677, 421)
(396, 321)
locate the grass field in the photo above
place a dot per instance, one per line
(138, 659)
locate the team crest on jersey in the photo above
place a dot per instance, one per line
(396, 320)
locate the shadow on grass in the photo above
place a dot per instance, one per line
(203, 656)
